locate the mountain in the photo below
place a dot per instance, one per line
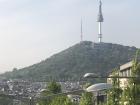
(77, 60)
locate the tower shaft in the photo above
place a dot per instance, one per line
(100, 32)
(100, 20)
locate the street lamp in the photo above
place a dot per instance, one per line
(89, 75)
(30, 99)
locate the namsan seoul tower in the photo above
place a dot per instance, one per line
(100, 19)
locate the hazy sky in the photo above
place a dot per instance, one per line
(33, 30)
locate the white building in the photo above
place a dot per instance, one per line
(124, 71)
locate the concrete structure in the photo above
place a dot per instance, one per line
(124, 71)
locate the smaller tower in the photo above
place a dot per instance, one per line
(81, 30)
(100, 19)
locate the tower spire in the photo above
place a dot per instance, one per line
(100, 19)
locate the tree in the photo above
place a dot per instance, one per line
(115, 92)
(49, 94)
(54, 87)
(131, 95)
(86, 99)
(52, 96)
(61, 100)
(133, 89)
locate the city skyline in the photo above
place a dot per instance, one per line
(33, 30)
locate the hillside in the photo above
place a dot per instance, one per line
(77, 60)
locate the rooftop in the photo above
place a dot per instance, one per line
(126, 66)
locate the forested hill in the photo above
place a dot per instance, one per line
(77, 60)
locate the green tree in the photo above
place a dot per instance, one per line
(133, 89)
(114, 94)
(61, 100)
(49, 94)
(54, 87)
(86, 99)
(53, 96)
(131, 95)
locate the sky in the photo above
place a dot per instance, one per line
(33, 30)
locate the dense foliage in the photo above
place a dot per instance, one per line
(131, 94)
(86, 99)
(49, 94)
(54, 87)
(76, 61)
(53, 96)
(61, 100)
(114, 94)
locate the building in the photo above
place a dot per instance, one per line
(124, 71)
(123, 75)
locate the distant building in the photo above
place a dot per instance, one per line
(124, 71)
(124, 74)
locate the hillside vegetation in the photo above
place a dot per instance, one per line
(75, 61)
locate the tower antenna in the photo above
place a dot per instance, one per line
(100, 19)
(81, 30)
